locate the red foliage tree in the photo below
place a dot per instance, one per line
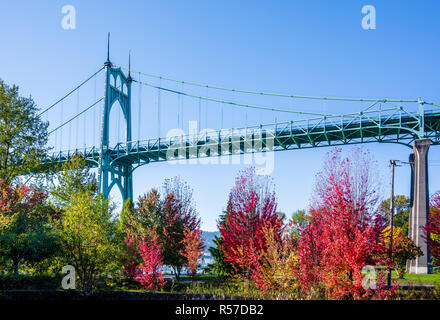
(193, 250)
(344, 234)
(432, 228)
(18, 199)
(132, 257)
(168, 216)
(148, 273)
(251, 207)
(182, 202)
(23, 217)
(178, 214)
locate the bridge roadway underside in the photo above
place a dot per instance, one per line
(283, 136)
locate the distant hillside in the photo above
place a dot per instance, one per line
(208, 240)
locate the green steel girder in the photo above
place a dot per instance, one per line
(389, 126)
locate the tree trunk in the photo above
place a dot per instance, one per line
(176, 273)
(15, 266)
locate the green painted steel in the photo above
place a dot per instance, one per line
(117, 89)
(117, 163)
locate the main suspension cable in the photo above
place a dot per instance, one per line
(272, 93)
(70, 92)
(179, 93)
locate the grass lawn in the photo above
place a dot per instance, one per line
(199, 277)
(418, 278)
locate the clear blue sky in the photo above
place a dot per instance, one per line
(298, 47)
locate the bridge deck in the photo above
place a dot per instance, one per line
(386, 126)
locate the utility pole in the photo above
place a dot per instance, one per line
(390, 249)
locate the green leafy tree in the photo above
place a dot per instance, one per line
(401, 219)
(23, 136)
(147, 215)
(87, 231)
(127, 222)
(75, 177)
(300, 219)
(404, 249)
(88, 237)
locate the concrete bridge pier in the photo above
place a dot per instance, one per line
(419, 205)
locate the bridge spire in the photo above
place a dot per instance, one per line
(129, 66)
(108, 63)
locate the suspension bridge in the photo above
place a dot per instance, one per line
(414, 123)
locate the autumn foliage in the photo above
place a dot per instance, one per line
(432, 228)
(149, 273)
(404, 249)
(251, 208)
(344, 234)
(24, 233)
(18, 199)
(162, 228)
(278, 263)
(193, 249)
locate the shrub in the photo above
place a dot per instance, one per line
(26, 282)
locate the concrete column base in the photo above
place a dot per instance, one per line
(419, 206)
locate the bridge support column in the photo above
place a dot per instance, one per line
(419, 206)
(128, 184)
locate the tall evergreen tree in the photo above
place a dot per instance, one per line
(220, 265)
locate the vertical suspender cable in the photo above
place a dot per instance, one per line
(84, 131)
(139, 107)
(221, 118)
(70, 134)
(200, 112)
(94, 114)
(232, 110)
(77, 122)
(206, 107)
(158, 109)
(178, 110)
(47, 119)
(183, 107)
(119, 124)
(61, 131)
(56, 138)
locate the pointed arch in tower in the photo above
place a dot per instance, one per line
(117, 89)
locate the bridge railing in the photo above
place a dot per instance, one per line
(386, 118)
(305, 125)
